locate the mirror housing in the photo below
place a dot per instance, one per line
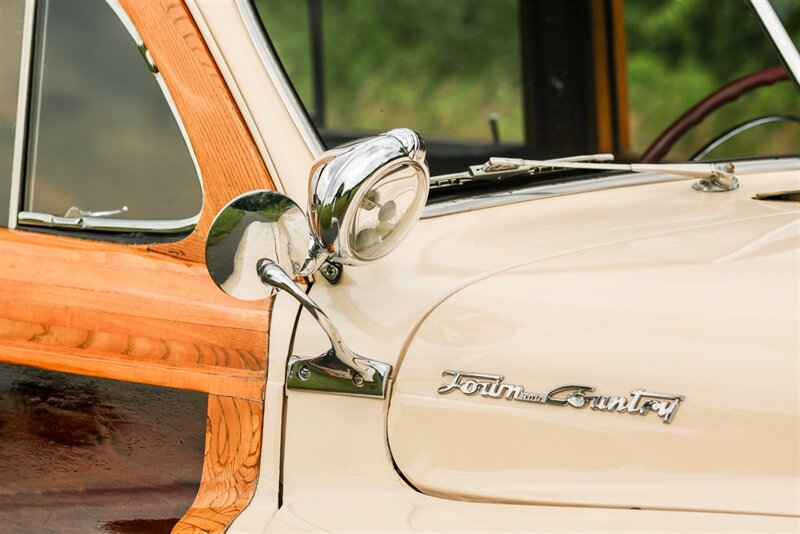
(364, 199)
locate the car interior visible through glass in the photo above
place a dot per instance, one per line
(643, 81)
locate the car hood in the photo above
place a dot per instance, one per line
(705, 316)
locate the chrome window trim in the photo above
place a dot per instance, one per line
(102, 224)
(777, 33)
(586, 185)
(275, 71)
(20, 129)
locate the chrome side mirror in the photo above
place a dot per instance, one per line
(363, 200)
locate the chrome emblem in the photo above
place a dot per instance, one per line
(640, 401)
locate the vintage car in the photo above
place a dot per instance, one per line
(399, 266)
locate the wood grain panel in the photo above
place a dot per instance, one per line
(116, 311)
(228, 158)
(230, 467)
(151, 314)
(602, 81)
(621, 73)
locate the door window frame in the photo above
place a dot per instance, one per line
(98, 226)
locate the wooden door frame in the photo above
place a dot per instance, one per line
(43, 275)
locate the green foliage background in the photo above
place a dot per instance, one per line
(441, 66)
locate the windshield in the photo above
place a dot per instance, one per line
(645, 81)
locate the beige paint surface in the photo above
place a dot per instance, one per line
(710, 313)
(334, 465)
(630, 246)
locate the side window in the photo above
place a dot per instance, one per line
(676, 58)
(103, 142)
(432, 68)
(11, 16)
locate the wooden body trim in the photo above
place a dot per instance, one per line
(229, 160)
(230, 469)
(151, 313)
(116, 311)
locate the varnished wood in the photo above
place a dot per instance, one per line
(602, 89)
(228, 158)
(230, 467)
(249, 386)
(621, 74)
(115, 311)
(151, 314)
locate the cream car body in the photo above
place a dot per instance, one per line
(650, 285)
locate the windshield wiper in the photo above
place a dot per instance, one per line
(497, 168)
(713, 176)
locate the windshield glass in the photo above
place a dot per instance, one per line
(646, 81)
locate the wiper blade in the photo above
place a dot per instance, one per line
(713, 176)
(716, 176)
(508, 164)
(497, 168)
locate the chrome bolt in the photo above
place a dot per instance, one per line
(304, 373)
(358, 379)
(331, 272)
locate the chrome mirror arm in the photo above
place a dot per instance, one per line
(339, 370)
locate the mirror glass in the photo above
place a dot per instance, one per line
(256, 225)
(386, 212)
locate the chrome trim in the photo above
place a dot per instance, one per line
(538, 191)
(100, 224)
(20, 130)
(275, 72)
(781, 40)
(339, 370)
(495, 171)
(640, 402)
(719, 171)
(341, 179)
(326, 374)
(128, 23)
(75, 211)
(714, 185)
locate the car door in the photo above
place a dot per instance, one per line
(131, 388)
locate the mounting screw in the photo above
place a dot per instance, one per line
(332, 272)
(304, 373)
(358, 379)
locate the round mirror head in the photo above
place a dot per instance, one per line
(256, 225)
(365, 198)
(380, 218)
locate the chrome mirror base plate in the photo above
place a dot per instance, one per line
(328, 374)
(710, 185)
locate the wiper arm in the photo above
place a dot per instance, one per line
(497, 168)
(713, 176)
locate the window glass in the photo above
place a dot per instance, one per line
(11, 14)
(102, 135)
(536, 79)
(425, 65)
(677, 57)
